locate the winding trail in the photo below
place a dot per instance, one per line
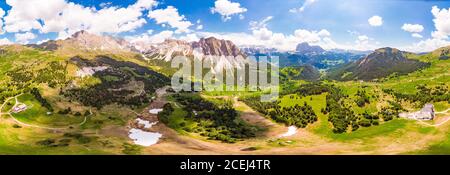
(443, 112)
(17, 103)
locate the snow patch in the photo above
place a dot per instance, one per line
(147, 124)
(155, 111)
(292, 130)
(144, 138)
(89, 71)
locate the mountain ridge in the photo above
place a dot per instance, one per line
(380, 63)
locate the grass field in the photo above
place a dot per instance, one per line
(37, 115)
(23, 141)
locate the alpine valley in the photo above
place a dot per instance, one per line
(95, 94)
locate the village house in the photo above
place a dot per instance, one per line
(19, 108)
(426, 113)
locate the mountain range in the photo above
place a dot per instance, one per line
(341, 64)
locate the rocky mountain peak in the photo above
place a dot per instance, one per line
(81, 33)
(92, 41)
(385, 54)
(388, 50)
(217, 47)
(305, 48)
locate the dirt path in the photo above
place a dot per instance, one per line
(443, 112)
(439, 124)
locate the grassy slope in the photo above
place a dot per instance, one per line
(24, 140)
(438, 73)
(36, 114)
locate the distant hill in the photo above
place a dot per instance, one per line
(324, 60)
(304, 72)
(442, 53)
(306, 54)
(378, 64)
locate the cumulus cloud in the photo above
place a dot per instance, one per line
(263, 33)
(2, 13)
(24, 38)
(171, 17)
(227, 9)
(148, 38)
(5, 41)
(67, 17)
(416, 35)
(302, 8)
(427, 45)
(361, 43)
(439, 36)
(259, 29)
(311, 36)
(375, 21)
(199, 27)
(441, 22)
(267, 38)
(412, 28)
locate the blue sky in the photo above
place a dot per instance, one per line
(329, 23)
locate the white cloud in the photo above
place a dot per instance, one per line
(227, 9)
(427, 45)
(259, 29)
(311, 36)
(42, 41)
(302, 8)
(416, 35)
(171, 17)
(5, 41)
(265, 37)
(263, 34)
(189, 37)
(439, 36)
(199, 25)
(324, 33)
(147, 38)
(24, 37)
(105, 4)
(260, 24)
(441, 22)
(67, 17)
(363, 38)
(362, 43)
(412, 28)
(375, 21)
(2, 13)
(352, 32)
